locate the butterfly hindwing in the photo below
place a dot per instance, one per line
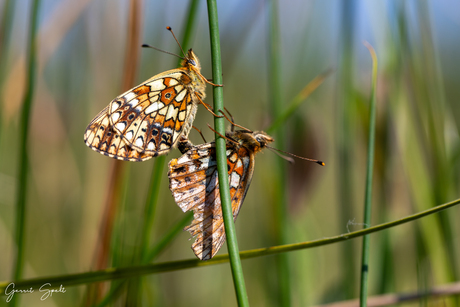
(101, 137)
(195, 186)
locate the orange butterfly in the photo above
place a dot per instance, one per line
(194, 184)
(148, 120)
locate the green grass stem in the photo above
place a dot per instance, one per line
(23, 166)
(221, 157)
(280, 211)
(5, 36)
(138, 270)
(369, 175)
(346, 116)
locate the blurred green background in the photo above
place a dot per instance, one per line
(81, 49)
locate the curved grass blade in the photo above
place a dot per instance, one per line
(135, 271)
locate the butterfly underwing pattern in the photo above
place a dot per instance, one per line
(194, 184)
(150, 118)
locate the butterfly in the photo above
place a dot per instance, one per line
(148, 120)
(194, 185)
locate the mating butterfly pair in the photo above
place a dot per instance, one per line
(156, 116)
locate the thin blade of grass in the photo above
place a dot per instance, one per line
(369, 175)
(221, 158)
(5, 35)
(395, 299)
(23, 167)
(297, 101)
(280, 212)
(346, 113)
(134, 271)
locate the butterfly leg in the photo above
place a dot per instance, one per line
(207, 108)
(233, 124)
(199, 131)
(227, 138)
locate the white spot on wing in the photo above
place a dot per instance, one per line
(129, 135)
(121, 126)
(115, 116)
(152, 108)
(164, 110)
(181, 95)
(139, 142)
(156, 85)
(134, 102)
(129, 96)
(115, 105)
(182, 115)
(234, 180)
(172, 112)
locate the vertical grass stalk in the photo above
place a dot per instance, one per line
(5, 35)
(280, 196)
(221, 157)
(23, 139)
(369, 173)
(345, 118)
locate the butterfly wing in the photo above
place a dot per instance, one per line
(194, 184)
(101, 137)
(152, 116)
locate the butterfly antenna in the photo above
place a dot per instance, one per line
(228, 139)
(311, 160)
(170, 30)
(231, 121)
(289, 159)
(158, 49)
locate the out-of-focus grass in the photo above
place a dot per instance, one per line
(417, 145)
(23, 148)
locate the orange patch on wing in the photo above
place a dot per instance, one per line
(184, 103)
(167, 95)
(178, 125)
(239, 170)
(169, 124)
(167, 81)
(141, 90)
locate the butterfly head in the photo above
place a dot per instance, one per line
(191, 61)
(254, 141)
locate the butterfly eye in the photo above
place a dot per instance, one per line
(191, 61)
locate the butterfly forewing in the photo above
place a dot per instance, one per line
(152, 116)
(101, 137)
(195, 186)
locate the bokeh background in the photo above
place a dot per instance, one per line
(81, 52)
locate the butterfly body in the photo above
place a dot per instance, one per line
(151, 117)
(195, 186)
